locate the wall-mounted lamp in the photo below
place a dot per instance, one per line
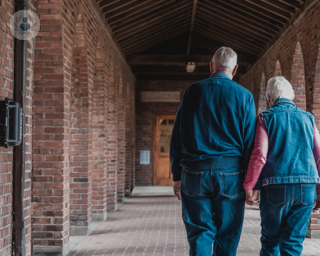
(190, 67)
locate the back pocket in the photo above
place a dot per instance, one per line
(232, 183)
(276, 194)
(191, 182)
(308, 194)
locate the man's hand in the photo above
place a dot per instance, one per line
(176, 189)
(252, 197)
(316, 207)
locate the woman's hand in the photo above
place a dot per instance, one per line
(252, 197)
(176, 189)
(316, 208)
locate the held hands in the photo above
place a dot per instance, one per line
(176, 189)
(316, 207)
(252, 197)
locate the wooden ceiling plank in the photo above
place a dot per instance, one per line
(153, 33)
(228, 37)
(232, 12)
(163, 48)
(104, 3)
(137, 13)
(283, 6)
(153, 42)
(123, 9)
(194, 10)
(246, 7)
(150, 26)
(270, 8)
(239, 24)
(295, 4)
(116, 5)
(234, 33)
(168, 34)
(167, 13)
(208, 40)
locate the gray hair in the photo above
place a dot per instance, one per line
(225, 59)
(279, 87)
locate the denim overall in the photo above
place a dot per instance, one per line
(289, 179)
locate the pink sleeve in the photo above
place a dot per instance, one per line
(259, 155)
(316, 151)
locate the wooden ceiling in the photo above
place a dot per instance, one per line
(196, 27)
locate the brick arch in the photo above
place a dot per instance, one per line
(121, 139)
(298, 77)
(277, 69)
(262, 105)
(112, 142)
(99, 138)
(80, 133)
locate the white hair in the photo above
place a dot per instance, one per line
(279, 87)
(225, 59)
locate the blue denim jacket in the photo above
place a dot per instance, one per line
(290, 156)
(214, 127)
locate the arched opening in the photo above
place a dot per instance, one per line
(99, 140)
(112, 142)
(80, 135)
(277, 70)
(262, 105)
(298, 78)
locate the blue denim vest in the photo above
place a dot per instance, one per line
(290, 156)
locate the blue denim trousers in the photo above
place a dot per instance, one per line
(213, 210)
(285, 212)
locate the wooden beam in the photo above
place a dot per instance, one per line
(149, 44)
(175, 77)
(283, 6)
(167, 35)
(234, 13)
(104, 3)
(220, 20)
(113, 13)
(292, 3)
(168, 13)
(234, 33)
(114, 5)
(194, 10)
(137, 12)
(151, 26)
(270, 8)
(148, 69)
(227, 37)
(151, 33)
(251, 8)
(165, 47)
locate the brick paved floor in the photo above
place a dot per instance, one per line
(153, 226)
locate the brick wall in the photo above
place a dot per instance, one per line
(296, 54)
(144, 118)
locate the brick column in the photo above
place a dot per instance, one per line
(121, 141)
(80, 141)
(112, 139)
(133, 137)
(99, 141)
(298, 78)
(128, 160)
(262, 104)
(50, 187)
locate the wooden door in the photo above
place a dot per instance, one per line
(162, 170)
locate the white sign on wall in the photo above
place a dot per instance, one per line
(145, 157)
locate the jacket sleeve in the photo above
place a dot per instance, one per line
(175, 147)
(250, 126)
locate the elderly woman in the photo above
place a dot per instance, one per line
(286, 161)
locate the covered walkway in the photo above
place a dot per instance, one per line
(153, 226)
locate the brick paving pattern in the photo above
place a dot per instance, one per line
(153, 226)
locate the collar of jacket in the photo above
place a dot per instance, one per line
(283, 101)
(220, 75)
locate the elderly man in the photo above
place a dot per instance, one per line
(211, 143)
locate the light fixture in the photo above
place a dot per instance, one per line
(190, 67)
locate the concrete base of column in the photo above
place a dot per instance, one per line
(41, 250)
(79, 230)
(99, 217)
(314, 234)
(112, 208)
